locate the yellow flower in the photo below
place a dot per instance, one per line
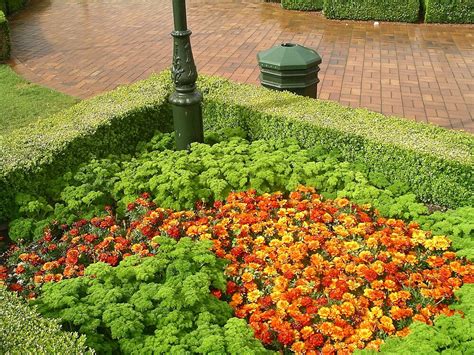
(377, 267)
(275, 243)
(365, 333)
(438, 242)
(352, 245)
(324, 312)
(377, 311)
(282, 304)
(287, 238)
(253, 296)
(418, 236)
(340, 230)
(259, 240)
(372, 242)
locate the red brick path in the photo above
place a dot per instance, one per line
(84, 47)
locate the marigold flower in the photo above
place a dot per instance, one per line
(324, 312)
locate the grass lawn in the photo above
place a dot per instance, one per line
(22, 103)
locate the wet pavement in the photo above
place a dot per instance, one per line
(84, 47)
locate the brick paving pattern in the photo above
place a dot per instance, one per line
(84, 47)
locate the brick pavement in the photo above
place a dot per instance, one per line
(84, 47)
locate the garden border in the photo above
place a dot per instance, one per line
(436, 163)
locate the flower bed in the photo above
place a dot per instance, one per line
(307, 274)
(283, 249)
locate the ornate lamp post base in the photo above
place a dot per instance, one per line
(186, 100)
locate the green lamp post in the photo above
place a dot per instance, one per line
(185, 100)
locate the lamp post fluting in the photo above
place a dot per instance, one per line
(186, 101)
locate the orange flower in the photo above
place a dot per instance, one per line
(247, 277)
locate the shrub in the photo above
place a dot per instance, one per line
(385, 10)
(24, 331)
(449, 11)
(4, 38)
(435, 163)
(12, 6)
(160, 304)
(306, 5)
(113, 122)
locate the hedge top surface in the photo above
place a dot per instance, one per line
(36, 144)
(414, 136)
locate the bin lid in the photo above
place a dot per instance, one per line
(288, 56)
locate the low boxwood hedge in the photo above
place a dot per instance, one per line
(4, 38)
(11, 6)
(306, 5)
(110, 123)
(24, 331)
(436, 163)
(449, 11)
(385, 10)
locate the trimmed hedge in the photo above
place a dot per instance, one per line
(10, 6)
(436, 163)
(110, 123)
(449, 11)
(4, 38)
(384, 10)
(24, 331)
(305, 5)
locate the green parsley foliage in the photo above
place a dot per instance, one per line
(160, 304)
(448, 335)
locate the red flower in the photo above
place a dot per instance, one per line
(231, 287)
(217, 293)
(72, 256)
(174, 232)
(16, 287)
(370, 275)
(314, 341)
(286, 337)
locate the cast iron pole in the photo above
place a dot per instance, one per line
(185, 100)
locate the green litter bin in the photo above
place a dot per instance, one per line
(290, 67)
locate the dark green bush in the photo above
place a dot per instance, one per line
(306, 5)
(4, 38)
(3, 6)
(436, 164)
(449, 11)
(384, 10)
(24, 331)
(15, 5)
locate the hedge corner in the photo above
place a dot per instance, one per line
(449, 11)
(4, 38)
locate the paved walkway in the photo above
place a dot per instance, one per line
(84, 47)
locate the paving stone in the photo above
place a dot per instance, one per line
(84, 47)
